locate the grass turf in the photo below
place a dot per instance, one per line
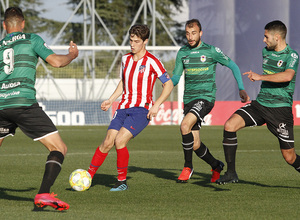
(268, 187)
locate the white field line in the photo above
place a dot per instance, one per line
(131, 152)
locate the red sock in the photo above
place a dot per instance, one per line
(97, 161)
(122, 163)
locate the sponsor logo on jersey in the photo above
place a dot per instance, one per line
(275, 55)
(10, 85)
(186, 61)
(221, 52)
(5, 95)
(294, 55)
(203, 58)
(265, 61)
(279, 63)
(218, 50)
(14, 38)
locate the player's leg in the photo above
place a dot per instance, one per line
(187, 144)
(109, 141)
(203, 152)
(195, 112)
(102, 151)
(188, 138)
(134, 123)
(36, 124)
(281, 123)
(232, 125)
(249, 115)
(121, 141)
(58, 150)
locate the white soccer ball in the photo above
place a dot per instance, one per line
(80, 180)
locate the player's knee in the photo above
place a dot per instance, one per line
(230, 126)
(119, 143)
(185, 128)
(289, 156)
(290, 159)
(106, 145)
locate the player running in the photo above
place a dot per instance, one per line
(198, 60)
(19, 53)
(273, 104)
(139, 71)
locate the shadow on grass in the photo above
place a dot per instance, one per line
(4, 194)
(104, 180)
(198, 178)
(264, 185)
(159, 173)
(205, 182)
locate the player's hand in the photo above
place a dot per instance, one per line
(73, 50)
(253, 76)
(244, 96)
(152, 112)
(105, 105)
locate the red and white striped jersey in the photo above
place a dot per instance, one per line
(138, 80)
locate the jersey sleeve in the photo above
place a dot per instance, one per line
(219, 56)
(40, 47)
(178, 69)
(293, 61)
(160, 71)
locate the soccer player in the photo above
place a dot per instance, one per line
(139, 71)
(19, 53)
(273, 104)
(198, 60)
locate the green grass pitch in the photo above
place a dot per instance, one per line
(268, 187)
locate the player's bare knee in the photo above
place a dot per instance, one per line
(106, 145)
(184, 128)
(289, 156)
(230, 126)
(119, 143)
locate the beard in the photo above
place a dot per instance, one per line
(196, 43)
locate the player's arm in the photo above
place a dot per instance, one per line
(280, 77)
(167, 89)
(238, 77)
(105, 105)
(178, 69)
(57, 60)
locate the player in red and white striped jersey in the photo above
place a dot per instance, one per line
(139, 71)
(139, 78)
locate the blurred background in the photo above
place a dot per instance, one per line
(72, 95)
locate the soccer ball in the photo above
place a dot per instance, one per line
(80, 180)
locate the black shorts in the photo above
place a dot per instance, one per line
(200, 108)
(32, 120)
(279, 121)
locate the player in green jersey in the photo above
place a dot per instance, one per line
(198, 60)
(19, 54)
(273, 105)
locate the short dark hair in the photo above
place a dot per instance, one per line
(12, 16)
(277, 26)
(192, 22)
(140, 30)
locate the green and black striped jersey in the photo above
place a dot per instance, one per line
(199, 66)
(19, 53)
(278, 94)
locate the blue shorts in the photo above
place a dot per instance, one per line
(133, 119)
